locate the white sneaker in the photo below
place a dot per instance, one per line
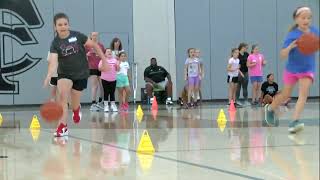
(106, 108)
(114, 107)
(100, 105)
(169, 101)
(94, 107)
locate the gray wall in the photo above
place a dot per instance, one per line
(112, 18)
(216, 26)
(162, 29)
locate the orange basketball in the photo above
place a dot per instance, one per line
(308, 43)
(51, 111)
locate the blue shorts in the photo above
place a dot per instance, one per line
(258, 79)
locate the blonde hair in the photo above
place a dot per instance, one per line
(296, 13)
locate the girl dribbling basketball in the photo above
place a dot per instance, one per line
(299, 69)
(67, 52)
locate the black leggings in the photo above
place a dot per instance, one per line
(109, 88)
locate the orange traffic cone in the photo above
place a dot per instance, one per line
(232, 107)
(232, 115)
(154, 113)
(154, 103)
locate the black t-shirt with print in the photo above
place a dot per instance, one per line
(156, 74)
(270, 89)
(72, 60)
(243, 62)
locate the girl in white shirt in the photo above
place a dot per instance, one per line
(123, 84)
(233, 73)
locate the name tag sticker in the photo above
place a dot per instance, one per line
(73, 39)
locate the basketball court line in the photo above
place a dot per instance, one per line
(186, 162)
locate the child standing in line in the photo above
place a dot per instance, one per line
(108, 79)
(123, 81)
(192, 73)
(255, 65)
(94, 78)
(233, 73)
(198, 55)
(116, 47)
(299, 69)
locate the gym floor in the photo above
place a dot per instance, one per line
(189, 144)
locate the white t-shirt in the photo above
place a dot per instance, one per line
(234, 65)
(193, 67)
(124, 67)
(116, 52)
(55, 74)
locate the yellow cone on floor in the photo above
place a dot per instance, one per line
(35, 133)
(145, 161)
(222, 120)
(139, 111)
(35, 124)
(145, 145)
(1, 119)
(139, 117)
(221, 115)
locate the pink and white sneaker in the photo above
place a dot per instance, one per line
(76, 116)
(61, 131)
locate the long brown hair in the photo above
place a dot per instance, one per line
(253, 47)
(112, 44)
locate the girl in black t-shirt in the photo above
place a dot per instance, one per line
(67, 52)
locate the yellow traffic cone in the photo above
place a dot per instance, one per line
(139, 110)
(1, 119)
(35, 124)
(145, 145)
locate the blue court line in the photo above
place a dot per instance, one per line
(170, 159)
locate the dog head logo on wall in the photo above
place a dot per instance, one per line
(17, 20)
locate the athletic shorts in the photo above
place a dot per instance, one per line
(258, 79)
(78, 84)
(122, 81)
(160, 85)
(291, 78)
(193, 81)
(232, 79)
(95, 72)
(54, 81)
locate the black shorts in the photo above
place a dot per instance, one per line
(54, 81)
(78, 84)
(233, 79)
(95, 72)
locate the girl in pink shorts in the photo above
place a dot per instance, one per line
(299, 69)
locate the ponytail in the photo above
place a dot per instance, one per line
(291, 28)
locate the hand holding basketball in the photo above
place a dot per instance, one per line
(308, 43)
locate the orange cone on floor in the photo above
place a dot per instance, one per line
(232, 115)
(232, 107)
(154, 113)
(154, 103)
